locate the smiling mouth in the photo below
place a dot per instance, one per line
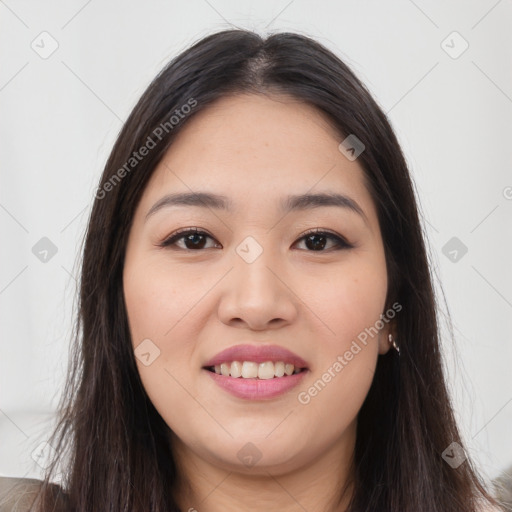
(251, 370)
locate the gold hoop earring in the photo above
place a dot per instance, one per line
(393, 343)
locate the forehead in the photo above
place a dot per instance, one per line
(253, 148)
(257, 123)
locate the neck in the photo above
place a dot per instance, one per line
(207, 487)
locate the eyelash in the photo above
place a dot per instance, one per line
(340, 242)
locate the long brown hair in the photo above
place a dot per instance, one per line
(111, 443)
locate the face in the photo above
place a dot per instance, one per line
(261, 271)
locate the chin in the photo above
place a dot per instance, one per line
(259, 454)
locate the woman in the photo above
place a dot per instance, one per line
(257, 320)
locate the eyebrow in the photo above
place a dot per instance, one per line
(289, 203)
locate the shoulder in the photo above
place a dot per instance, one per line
(484, 508)
(18, 494)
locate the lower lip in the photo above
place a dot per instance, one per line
(257, 389)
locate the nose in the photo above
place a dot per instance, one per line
(257, 296)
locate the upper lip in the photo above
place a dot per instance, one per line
(257, 354)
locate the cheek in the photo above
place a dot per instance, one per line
(165, 305)
(158, 298)
(351, 301)
(159, 304)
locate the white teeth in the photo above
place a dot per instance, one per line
(236, 369)
(279, 369)
(224, 369)
(251, 370)
(266, 370)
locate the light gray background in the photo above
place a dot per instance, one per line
(61, 114)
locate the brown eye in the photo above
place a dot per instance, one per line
(195, 240)
(190, 239)
(317, 241)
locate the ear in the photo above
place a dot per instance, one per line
(384, 345)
